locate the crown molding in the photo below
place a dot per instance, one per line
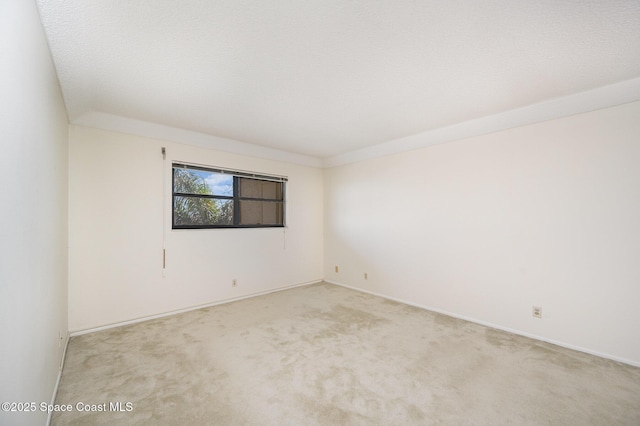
(578, 103)
(147, 129)
(590, 100)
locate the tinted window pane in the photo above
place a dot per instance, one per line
(192, 181)
(261, 213)
(202, 211)
(252, 188)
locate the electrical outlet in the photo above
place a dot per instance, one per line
(536, 312)
(366, 276)
(234, 282)
(336, 268)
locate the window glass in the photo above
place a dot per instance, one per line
(214, 198)
(192, 181)
(202, 211)
(254, 212)
(252, 188)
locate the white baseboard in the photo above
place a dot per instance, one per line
(55, 387)
(183, 310)
(496, 326)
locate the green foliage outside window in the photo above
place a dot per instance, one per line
(195, 210)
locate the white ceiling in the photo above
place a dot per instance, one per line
(325, 78)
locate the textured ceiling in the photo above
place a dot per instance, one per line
(326, 77)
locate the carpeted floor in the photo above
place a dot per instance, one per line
(326, 355)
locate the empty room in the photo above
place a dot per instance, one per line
(320, 213)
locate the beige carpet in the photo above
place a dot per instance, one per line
(326, 355)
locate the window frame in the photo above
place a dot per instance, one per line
(235, 198)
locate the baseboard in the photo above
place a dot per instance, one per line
(188, 309)
(55, 387)
(496, 326)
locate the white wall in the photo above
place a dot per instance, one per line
(33, 214)
(485, 228)
(117, 226)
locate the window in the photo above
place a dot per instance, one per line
(218, 198)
